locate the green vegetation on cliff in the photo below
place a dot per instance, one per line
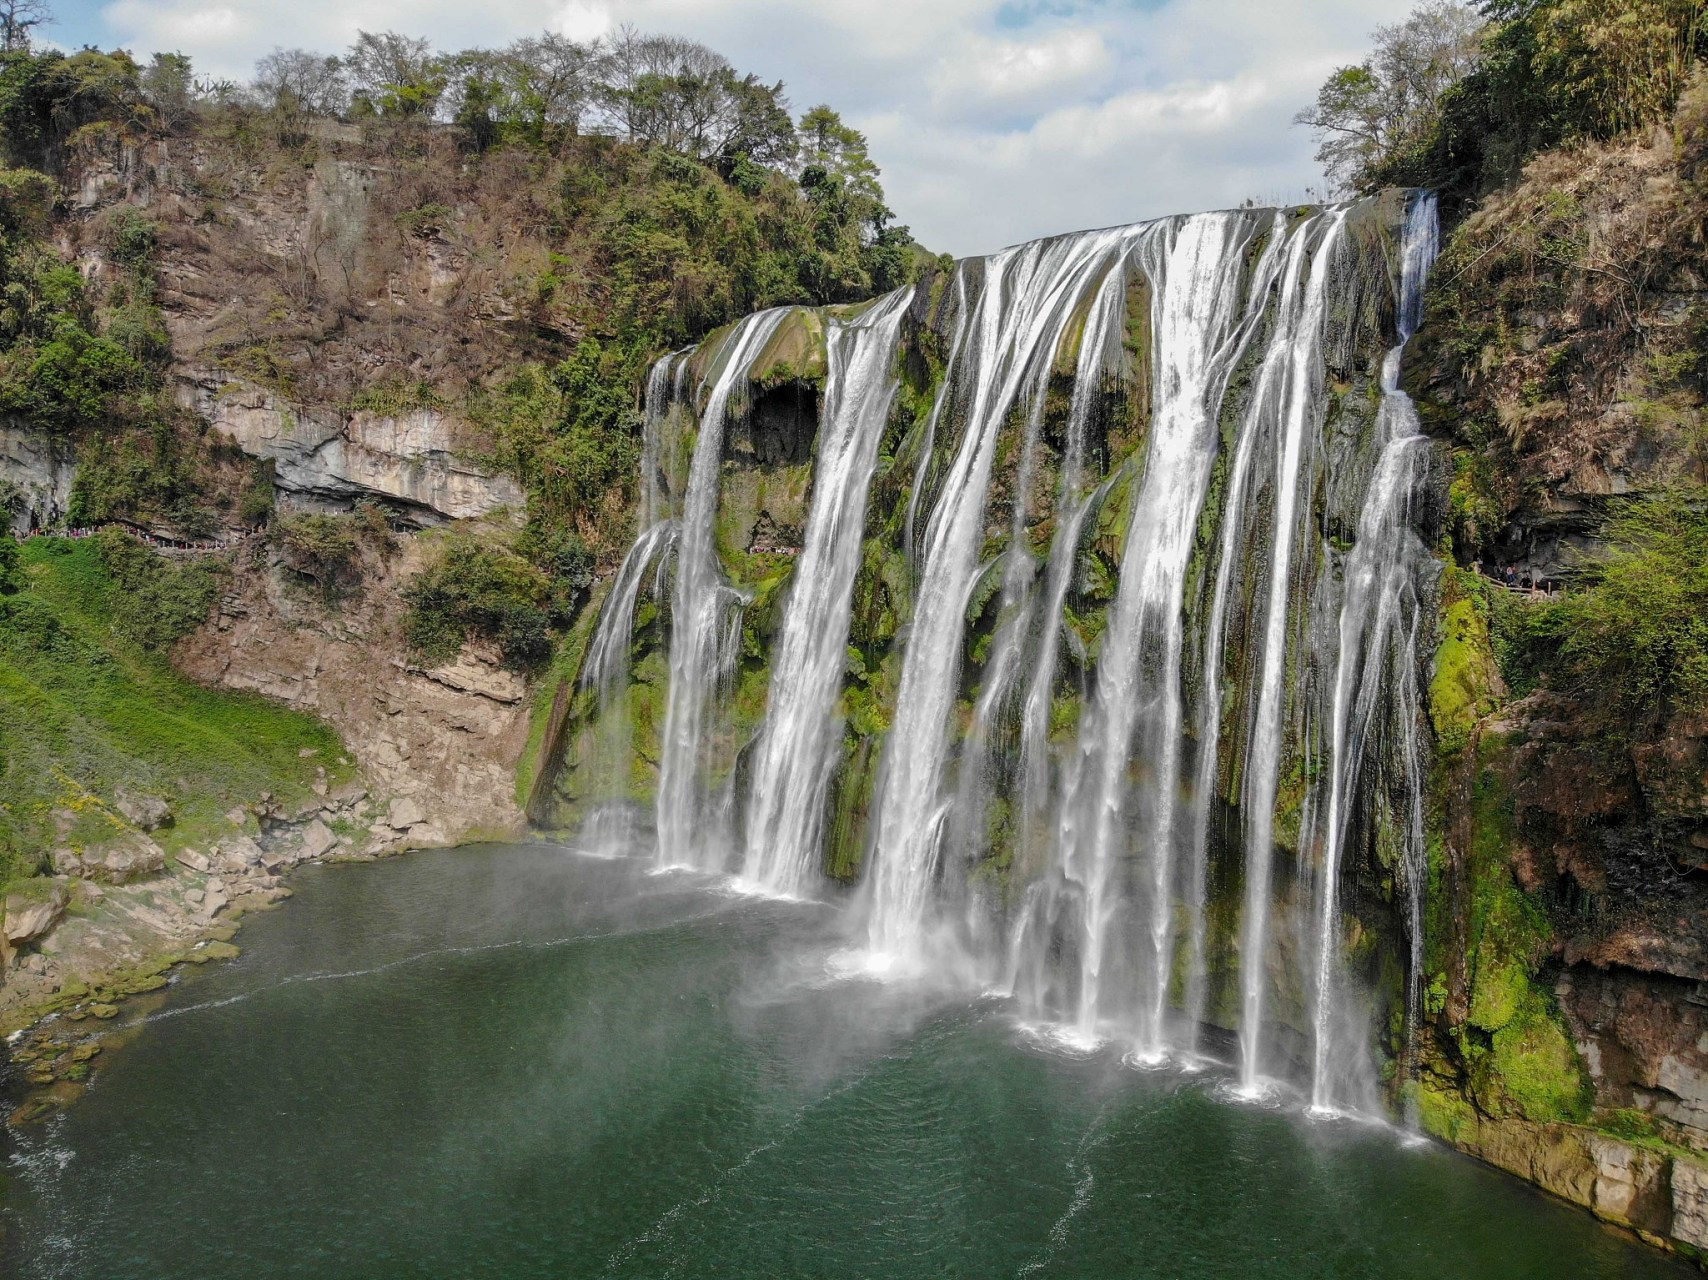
(89, 707)
(1461, 95)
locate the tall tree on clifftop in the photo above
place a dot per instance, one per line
(18, 18)
(1366, 113)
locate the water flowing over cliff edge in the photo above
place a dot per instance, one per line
(1063, 614)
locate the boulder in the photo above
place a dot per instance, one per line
(194, 861)
(317, 839)
(216, 898)
(348, 794)
(149, 813)
(244, 851)
(132, 856)
(29, 916)
(404, 813)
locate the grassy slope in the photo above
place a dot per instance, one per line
(85, 711)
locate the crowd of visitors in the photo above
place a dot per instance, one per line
(150, 538)
(1515, 579)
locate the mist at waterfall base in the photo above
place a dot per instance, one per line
(525, 1062)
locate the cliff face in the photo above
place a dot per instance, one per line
(324, 335)
(441, 743)
(1562, 363)
(325, 309)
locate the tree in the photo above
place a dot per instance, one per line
(395, 75)
(18, 18)
(169, 85)
(553, 80)
(664, 91)
(830, 145)
(1366, 114)
(297, 83)
(536, 89)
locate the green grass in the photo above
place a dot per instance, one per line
(85, 710)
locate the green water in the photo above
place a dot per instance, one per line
(516, 1062)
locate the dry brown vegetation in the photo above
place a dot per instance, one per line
(1567, 316)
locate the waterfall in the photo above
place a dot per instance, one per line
(605, 673)
(703, 613)
(1379, 619)
(662, 391)
(1010, 333)
(796, 750)
(605, 669)
(1288, 395)
(1147, 714)
(1196, 299)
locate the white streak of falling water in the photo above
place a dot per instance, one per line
(701, 612)
(928, 444)
(660, 388)
(1292, 378)
(1209, 719)
(1102, 331)
(606, 668)
(799, 746)
(1028, 294)
(1378, 631)
(1028, 948)
(605, 671)
(1195, 286)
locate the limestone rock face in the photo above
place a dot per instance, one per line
(36, 471)
(444, 742)
(327, 459)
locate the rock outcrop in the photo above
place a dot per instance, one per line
(36, 471)
(327, 460)
(442, 741)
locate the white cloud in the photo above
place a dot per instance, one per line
(990, 125)
(982, 74)
(582, 20)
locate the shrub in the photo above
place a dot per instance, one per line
(159, 601)
(322, 549)
(475, 590)
(131, 237)
(1636, 632)
(11, 575)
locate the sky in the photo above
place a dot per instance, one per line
(993, 121)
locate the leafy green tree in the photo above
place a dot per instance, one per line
(395, 76)
(826, 143)
(169, 85)
(46, 97)
(1367, 113)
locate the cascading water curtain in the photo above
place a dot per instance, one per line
(1142, 509)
